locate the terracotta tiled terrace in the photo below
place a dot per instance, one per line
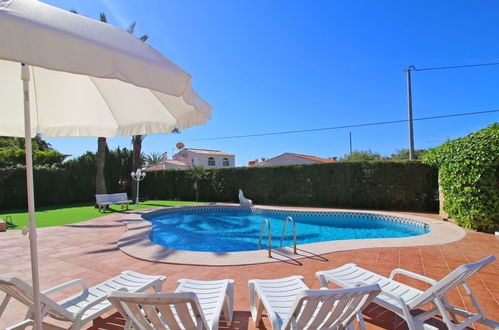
(88, 250)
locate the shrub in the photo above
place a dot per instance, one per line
(388, 185)
(73, 182)
(41, 158)
(468, 175)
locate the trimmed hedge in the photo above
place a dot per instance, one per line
(74, 182)
(386, 185)
(469, 178)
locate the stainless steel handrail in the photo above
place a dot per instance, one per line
(269, 235)
(294, 232)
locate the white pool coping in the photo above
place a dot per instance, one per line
(136, 243)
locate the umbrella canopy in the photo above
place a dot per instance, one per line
(82, 77)
(88, 78)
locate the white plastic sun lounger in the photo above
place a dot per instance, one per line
(79, 309)
(290, 304)
(402, 299)
(194, 305)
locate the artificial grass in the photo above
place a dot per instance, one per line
(66, 214)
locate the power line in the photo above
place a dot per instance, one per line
(346, 126)
(413, 68)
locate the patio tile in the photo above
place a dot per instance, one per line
(88, 250)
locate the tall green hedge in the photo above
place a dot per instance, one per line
(468, 169)
(74, 182)
(388, 185)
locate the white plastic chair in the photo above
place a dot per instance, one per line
(79, 309)
(194, 305)
(403, 299)
(290, 304)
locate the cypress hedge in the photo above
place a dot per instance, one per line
(383, 185)
(72, 182)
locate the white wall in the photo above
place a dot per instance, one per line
(192, 158)
(286, 160)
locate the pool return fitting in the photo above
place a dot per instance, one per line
(269, 244)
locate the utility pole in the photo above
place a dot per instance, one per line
(350, 143)
(409, 103)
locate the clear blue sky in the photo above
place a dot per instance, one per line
(269, 66)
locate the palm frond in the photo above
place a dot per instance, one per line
(131, 28)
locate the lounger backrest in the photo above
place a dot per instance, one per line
(455, 278)
(24, 294)
(318, 309)
(146, 311)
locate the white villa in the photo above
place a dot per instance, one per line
(188, 157)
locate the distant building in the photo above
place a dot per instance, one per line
(291, 159)
(188, 157)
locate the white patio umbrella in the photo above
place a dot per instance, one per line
(63, 74)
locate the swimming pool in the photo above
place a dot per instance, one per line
(231, 228)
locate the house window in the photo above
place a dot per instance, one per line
(211, 161)
(226, 162)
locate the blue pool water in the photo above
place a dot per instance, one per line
(229, 230)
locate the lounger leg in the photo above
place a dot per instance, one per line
(4, 304)
(409, 320)
(360, 320)
(158, 286)
(256, 311)
(228, 308)
(128, 324)
(443, 312)
(451, 312)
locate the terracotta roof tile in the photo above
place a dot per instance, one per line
(319, 159)
(155, 168)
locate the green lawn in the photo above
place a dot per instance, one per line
(65, 214)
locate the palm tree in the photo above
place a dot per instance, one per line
(154, 158)
(102, 149)
(136, 139)
(197, 174)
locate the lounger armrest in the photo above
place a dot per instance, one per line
(21, 325)
(413, 275)
(66, 285)
(30, 323)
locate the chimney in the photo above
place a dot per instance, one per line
(253, 162)
(165, 157)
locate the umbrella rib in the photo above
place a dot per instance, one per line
(105, 101)
(32, 68)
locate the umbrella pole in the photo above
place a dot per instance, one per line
(31, 198)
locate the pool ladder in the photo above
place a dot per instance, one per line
(294, 232)
(269, 234)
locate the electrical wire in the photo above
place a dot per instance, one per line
(413, 68)
(345, 126)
